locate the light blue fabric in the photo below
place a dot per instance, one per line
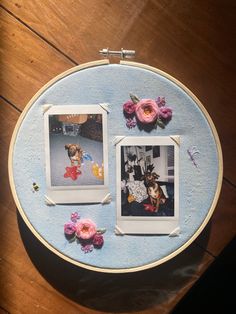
(112, 84)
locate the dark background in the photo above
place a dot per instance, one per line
(192, 40)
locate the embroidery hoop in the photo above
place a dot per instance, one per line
(44, 241)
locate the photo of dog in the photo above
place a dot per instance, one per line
(75, 154)
(74, 148)
(147, 185)
(157, 197)
(148, 179)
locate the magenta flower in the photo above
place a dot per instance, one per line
(130, 123)
(85, 229)
(69, 228)
(74, 216)
(147, 111)
(161, 102)
(98, 240)
(129, 107)
(165, 113)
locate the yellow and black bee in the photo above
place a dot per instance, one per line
(35, 187)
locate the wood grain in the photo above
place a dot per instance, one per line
(27, 62)
(222, 227)
(79, 28)
(8, 118)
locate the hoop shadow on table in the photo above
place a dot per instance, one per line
(128, 292)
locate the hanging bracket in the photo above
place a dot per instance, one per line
(123, 53)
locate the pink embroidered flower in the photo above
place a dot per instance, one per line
(74, 216)
(130, 123)
(85, 229)
(161, 102)
(129, 107)
(98, 240)
(166, 113)
(69, 228)
(147, 111)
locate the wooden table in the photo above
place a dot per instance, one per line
(191, 40)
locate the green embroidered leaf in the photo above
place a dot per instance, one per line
(134, 98)
(72, 239)
(101, 230)
(160, 124)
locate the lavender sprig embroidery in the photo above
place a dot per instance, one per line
(192, 152)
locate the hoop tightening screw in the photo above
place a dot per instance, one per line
(123, 53)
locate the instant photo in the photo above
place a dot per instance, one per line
(147, 184)
(76, 153)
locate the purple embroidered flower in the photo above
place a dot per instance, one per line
(161, 102)
(87, 248)
(130, 123)
(69, 228)
(98, 241)
(129, 107)
(74, 216)
(165, 113)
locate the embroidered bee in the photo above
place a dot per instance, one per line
(192, 152)
(35, 187)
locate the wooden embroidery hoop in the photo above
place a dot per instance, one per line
(120, 270)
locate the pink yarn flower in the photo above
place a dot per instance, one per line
(98, 240)
(129, 107)
(69, 228)
(165, 113)
(85, 229)
(147, 111)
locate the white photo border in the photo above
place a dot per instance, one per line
(147, 224)
(76, 194)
